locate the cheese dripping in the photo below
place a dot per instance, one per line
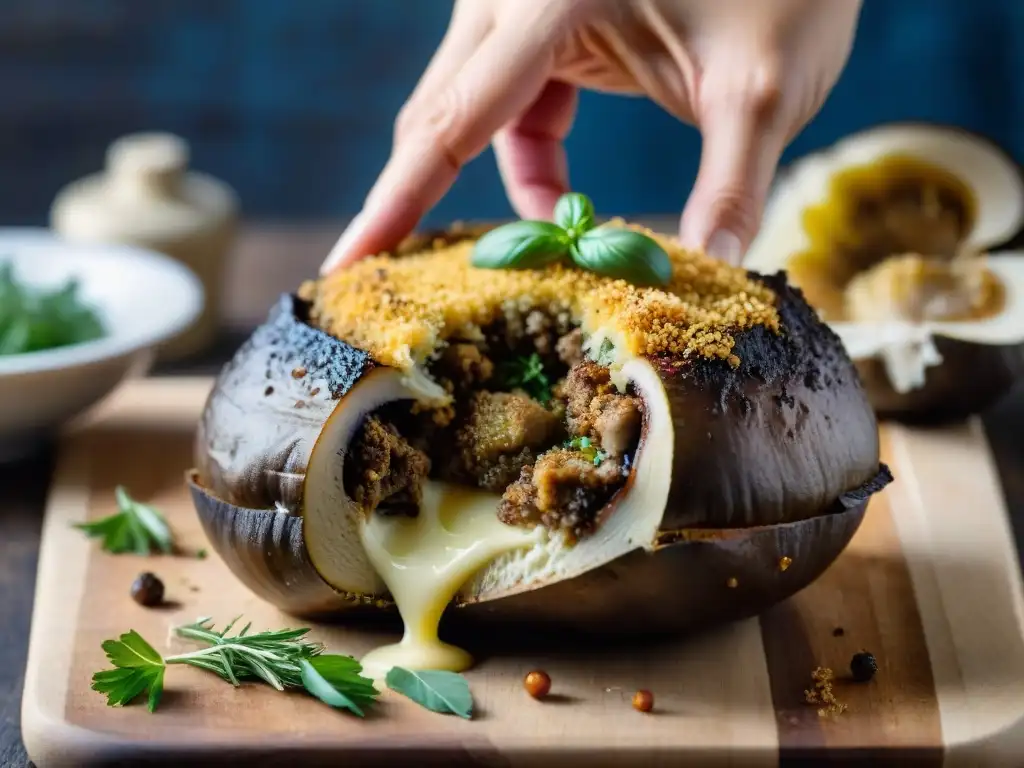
(424, 560)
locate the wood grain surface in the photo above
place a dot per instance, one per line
(929, 584)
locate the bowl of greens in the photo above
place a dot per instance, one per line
(75, 320)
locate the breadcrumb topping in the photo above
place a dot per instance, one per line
(402, 309)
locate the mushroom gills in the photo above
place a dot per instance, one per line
(886, 234)
(454, 546)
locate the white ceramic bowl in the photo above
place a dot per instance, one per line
(142, 298)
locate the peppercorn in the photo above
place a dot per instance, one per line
(537, 683)
(643, 701)
(147, 590)
(863, 666)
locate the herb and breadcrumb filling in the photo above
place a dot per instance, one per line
(534, 413)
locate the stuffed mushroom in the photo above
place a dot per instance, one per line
(545, 447)
(888, 233)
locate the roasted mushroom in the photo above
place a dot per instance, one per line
(543, 447)
(886, 233)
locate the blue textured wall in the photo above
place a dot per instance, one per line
(292, 102)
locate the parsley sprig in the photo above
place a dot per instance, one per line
(284, 659)
(135, 527)
(33, 320)
(526, 373)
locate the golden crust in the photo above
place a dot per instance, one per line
(401, 309)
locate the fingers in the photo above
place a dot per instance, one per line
(499, 80)
(741, 146)
(531, 154)
(469, 25)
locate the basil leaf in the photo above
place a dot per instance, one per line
(575, 213)
(623, 254)
(520, 245)
(436, 690)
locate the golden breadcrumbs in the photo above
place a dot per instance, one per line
(401, 309)
(821, 693)
(785, 562)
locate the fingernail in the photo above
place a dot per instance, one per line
(340, 250)
(724, 245)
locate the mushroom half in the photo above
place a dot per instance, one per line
(653, 493)
(893, 235)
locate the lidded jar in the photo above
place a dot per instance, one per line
(148, 197)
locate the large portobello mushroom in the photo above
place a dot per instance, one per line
(566, 450)
(886, 234)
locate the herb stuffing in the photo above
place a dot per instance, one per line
(135, 527)
(573, 236)
(32, 320)
(284, 659)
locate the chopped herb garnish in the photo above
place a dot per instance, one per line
(135, 527)
(612, 251)
(586, 446)
(526, 373)
(32, 319)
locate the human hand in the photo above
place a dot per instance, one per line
(748, 75)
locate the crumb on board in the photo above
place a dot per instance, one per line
(838, 632)
(732, 582)
(785, 562)
(822, 695)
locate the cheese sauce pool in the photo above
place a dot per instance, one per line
(425, 560)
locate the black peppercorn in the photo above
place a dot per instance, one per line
(148, 590)
(863, 666)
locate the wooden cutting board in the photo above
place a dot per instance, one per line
(930, 585)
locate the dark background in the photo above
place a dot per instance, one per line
(291, 101)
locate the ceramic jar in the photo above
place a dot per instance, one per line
(148, 197)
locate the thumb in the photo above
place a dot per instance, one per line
(740, 151)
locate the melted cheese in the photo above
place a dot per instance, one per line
(425, 560)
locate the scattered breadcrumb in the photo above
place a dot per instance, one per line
(821, 693)
(785, 562)
(401, 309)
(732, 582)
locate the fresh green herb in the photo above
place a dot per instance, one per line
(33, 320)
(611, 251)
(606, 354)
(624, 254)
(574, 213)
(438, 691)
(138, 668)
(586, 446)
(283, 659)
(201, 554)
(135, 527)
(526, 373)
(521, 245)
